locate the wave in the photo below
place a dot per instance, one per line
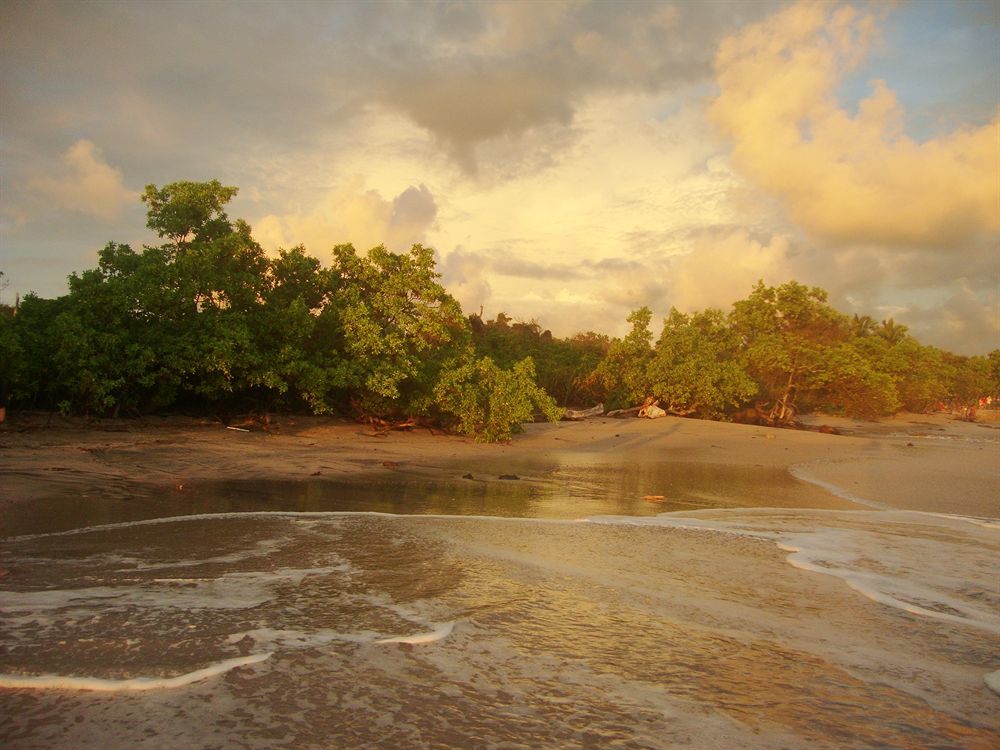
(97, 684)
(800, 473)
(439, 633)
(930, 565)
(992, 681)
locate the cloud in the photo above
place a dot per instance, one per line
(847, 177)
(519, 67)
(720, 269)
(967, 322)
(464, 276)
(85, 183)
(351, 214)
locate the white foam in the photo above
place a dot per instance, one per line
(892, 590)
(296, 639)
(240, 590)
(992, 681)
(96, 684)
(291, 515)
(261, 549)
(932, 565)
(800, 473)
(439, 633)
(832, 542)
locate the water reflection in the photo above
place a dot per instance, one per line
(541, 490)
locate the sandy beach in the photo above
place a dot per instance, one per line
(932, 463)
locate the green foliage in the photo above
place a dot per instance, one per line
(993, 360)
(921, 377)
(563, 365)
(850, 383)
(400, 327)
(33, 383)
(694, 369)
(489, 403)
(971, 379)
(12, 359)
(623, 374)
(183, 209)
(787, 334)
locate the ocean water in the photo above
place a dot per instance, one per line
(716, 627)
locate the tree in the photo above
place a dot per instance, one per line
(862, 325)
(188, 209)
(12, 361)
(489, 403)
(563, 365)
(920, 375)
(892, 331)
(400, 327)
(849, 382)
(971, 381)
(785, 333)
(694, 370)
(215, 275)
(34, 383)
(994, 366)
(623, 373)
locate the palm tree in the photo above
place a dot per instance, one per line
(863, 325)
(892, 331)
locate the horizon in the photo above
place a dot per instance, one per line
(569, 163)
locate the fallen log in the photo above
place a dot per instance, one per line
(677, 412)
(577, 415)
(622, 413)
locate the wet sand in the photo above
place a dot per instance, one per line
(931, 463)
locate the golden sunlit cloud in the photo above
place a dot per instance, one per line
(350, 213)
(847, 177)
(721, 269)
(86, 183)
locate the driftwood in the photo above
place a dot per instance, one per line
(781, 414)
(622, 413)
(382, 427)
(681, 412)
(652, 411)
(576, 415)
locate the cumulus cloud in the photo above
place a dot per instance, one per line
(721, 269)
(847, 177)
(968, 321)
(464, 276)
(85, 183)
(350, 213)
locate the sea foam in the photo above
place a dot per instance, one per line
(992, 681)
(926, 564)
(439, 633)
(96, 684)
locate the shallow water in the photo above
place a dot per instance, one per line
(614, 627)
(542, 490)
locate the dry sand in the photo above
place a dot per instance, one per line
(930, 463)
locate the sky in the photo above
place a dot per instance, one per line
(568, 160)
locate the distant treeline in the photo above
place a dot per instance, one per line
(208, 322)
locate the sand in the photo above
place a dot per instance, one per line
(932, 463)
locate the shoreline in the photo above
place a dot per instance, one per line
(931, 463)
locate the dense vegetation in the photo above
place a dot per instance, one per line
(208, 321)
